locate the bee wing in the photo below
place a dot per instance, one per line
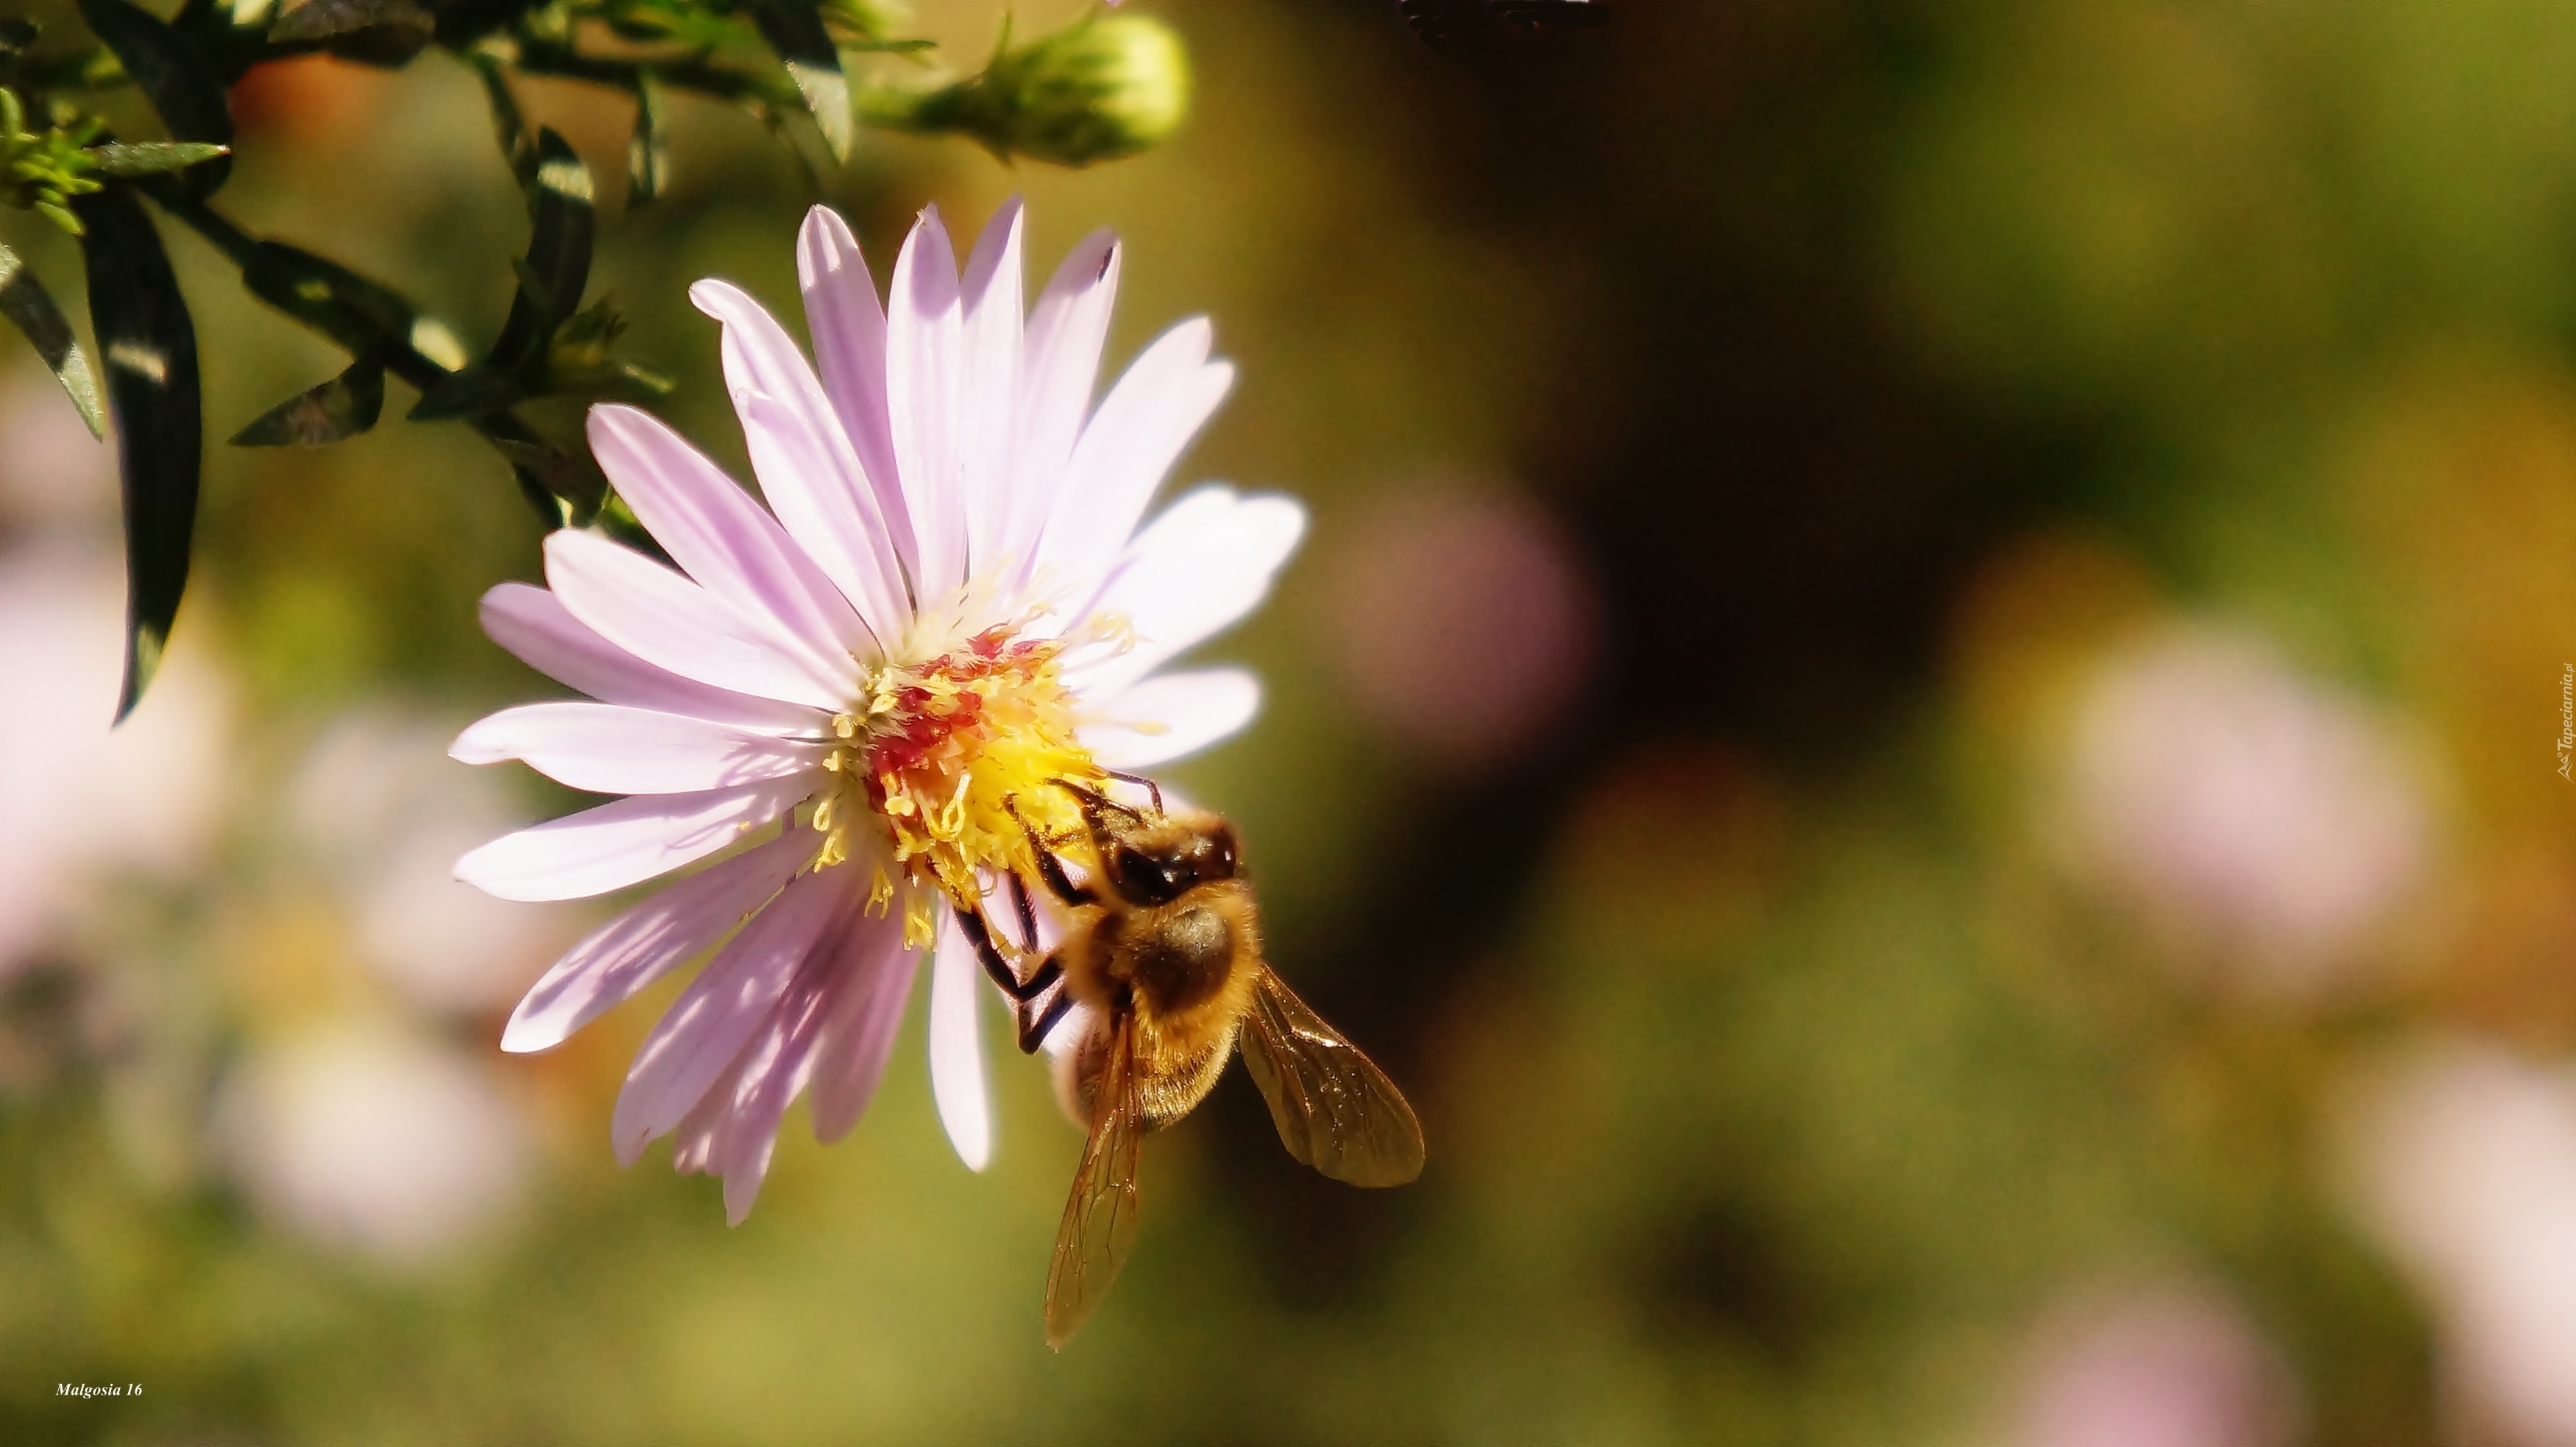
(1335, 1110)
(1100, 1218)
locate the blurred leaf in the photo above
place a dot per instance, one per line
(342, 305)
(189, 98)
(379, 32)
(342, 407)
(16, 35)
(507, 121)
(648, 154)
(551, 280)
(25, 302)
(150, 349)
(472, 392)
(151, 157)
(794, 28)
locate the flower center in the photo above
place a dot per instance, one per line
(951, 756)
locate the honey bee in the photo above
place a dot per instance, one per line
(1163, 948)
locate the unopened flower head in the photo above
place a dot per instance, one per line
(947, 606)
(1102, 88)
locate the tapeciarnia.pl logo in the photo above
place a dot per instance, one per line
(2566, 718)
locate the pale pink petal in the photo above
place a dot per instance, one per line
(713, 1018)
(848, 323)
(624, 842)
(534, 624)
(606, 748)
(1206, 562)
(701, 1134)
(1126, 449)
(785, 444)
(718, 535)
(875, 973)
(1065, 333)
(923, 348)
(773, 1072)
(989, 382)
(1171, 714)
(643, 944)
(957, 1081)
(666, 620)
(830, 504)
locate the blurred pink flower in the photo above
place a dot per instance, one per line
(382, 818)
(951, 606)
(367, 1139)
(1465, 622)
(2463, 1160)
(2170, 1366)
(2246, 808)
(80, 800)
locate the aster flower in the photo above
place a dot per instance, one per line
(947, 604)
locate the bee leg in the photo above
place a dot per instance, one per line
(1033, 1033)
(1150, 787)
(970, 922)
(1028, 912)
(1050, 868)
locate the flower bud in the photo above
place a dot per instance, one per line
(1103, 88)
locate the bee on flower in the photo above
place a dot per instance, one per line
(896, 679)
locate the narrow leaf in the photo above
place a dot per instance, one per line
(470, 393)
(24, 301)
(345, 406)
(189, 98)
(648, 154)
(794, 28)
(551, 280)
(149, 158)
(150, 350)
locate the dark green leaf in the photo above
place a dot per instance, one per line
(648, 154)
(182, 89)
(150, 351)
(507, 121)
(16, 35)
(794, 28)
(551, 280)
(23, 300)
(323, 19)
(345, 406)
(151, 157)
(470, 393)
(342, 305)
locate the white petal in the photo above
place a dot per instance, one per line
(922, 403)
(848, 323)
(775, 1067)
(1127, 448)
(621, 843)
(1206, 562)
(713, 1018)
(609, 749)
(643, 944)
(957, 1047)
(1065, 333)
(535, 625)
(989, 379)
(1172, 714)
(666, 620)
(859, 1033)
(789, 452)
(718, 535)
(831, 507)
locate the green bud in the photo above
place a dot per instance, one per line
(1103, 88)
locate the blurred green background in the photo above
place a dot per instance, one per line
(1920, 714)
